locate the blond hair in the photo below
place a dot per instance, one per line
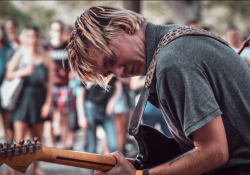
(97, 27)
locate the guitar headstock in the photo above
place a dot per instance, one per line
(20, 156)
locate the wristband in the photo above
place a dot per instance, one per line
(138, 172)
(145, 172)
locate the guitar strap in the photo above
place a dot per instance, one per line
(167, 38)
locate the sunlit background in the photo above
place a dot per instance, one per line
(220, 15)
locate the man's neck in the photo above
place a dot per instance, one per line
(142, 32)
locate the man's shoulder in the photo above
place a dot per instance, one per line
(188, 50)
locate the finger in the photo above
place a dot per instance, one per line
(119, 156)
(99, 173)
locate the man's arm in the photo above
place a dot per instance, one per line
(210, 152)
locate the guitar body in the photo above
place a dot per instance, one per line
(154, 148)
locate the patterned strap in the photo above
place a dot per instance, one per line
(170, 36)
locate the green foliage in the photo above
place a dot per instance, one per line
(9, 11)
(238, 13)
(41, 16)
(37, 15)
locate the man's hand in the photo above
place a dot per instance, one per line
(123, 167)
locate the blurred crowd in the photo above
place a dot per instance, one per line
(53, 103)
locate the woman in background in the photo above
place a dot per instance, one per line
(34, 102)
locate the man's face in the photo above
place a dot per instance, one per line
(55, 30)
(128, 59)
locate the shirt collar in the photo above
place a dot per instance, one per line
(151, 42)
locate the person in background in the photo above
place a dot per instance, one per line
(66, 33)
(235, 40)
(11, 28)
(74, 84)
(207, 28)
(35, 98)
(6, 52)
(151, 114)
(122, 111)
(95, 107)
(60, 101)
(195, 23)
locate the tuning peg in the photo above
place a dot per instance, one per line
(28, 141)
(14, 144)
(14, 150)
(7, 145)
(2, 153)
(35, 140)
(21, 142)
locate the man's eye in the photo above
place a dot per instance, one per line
(111, 59)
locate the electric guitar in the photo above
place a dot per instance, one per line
(154, 149)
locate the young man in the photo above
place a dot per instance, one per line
(200, 84)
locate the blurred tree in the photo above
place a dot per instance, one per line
(185, 11)
(235, 14)
(36, 15)
(9, 11)
(41, 16)
(132, 5)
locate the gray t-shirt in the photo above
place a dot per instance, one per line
(197, 79)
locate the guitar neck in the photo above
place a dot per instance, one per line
(79, 159)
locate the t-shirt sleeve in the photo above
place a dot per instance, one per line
(187, 95)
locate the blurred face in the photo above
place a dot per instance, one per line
(10, 27)
(128, 58)
(55, 30)
(66, 34)
(31, 37)
(1, 34)
(233, 37)
(196, 25)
